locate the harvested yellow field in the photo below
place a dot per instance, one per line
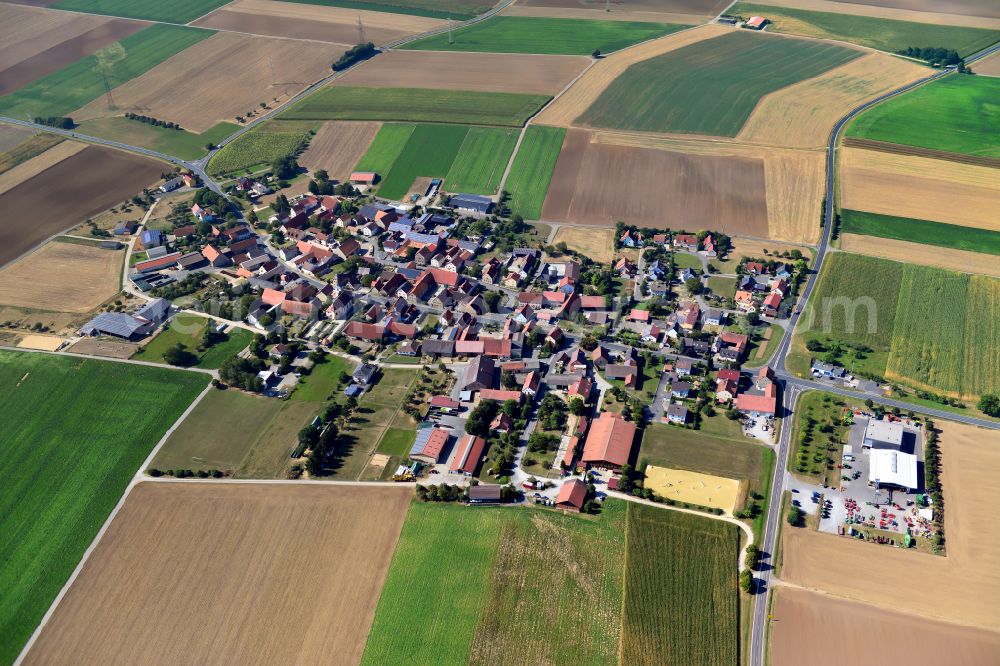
(963, 587)
(338, 146)
(220, 78)
(598, 243)
(230, 573)
(989, 66)
(695, 488)
(962, 261)
(36, 165)
(12, 135)
(920, 187)
(62, 277)
(802, 115)
(43, 342)
(565, 110)
(315, 22)
(899, 14)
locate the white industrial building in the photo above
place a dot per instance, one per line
(889, 468)
(883, 435)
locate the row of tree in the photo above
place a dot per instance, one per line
(150, 120)
(935, 55)
(61, 122)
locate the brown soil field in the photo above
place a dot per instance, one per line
(802, 115)
(27, 31)
(934, 14)
(920, 187)
(600, 183)
(899, 149)
(989, 66)
(596, 243)
(820, 630)
(983, 8)
(490, 72)
(595, 12)
(106, 348)
(66, 52)
(219, 78)
(962, 261)
(89, 182)
(36, 165)
(963, 587)
(13, 135)
(232, 573)
(62, 277)
(565, 110)
(316, 22)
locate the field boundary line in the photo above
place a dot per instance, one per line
(621, 632)
(136, 480)
(89, 357)
(314, 482)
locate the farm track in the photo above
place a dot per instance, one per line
(913, 151)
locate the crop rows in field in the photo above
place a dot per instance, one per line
(457, 10)
(75, 432)
(417, 105)
(531, 173)
(73, 86)
(481, 160)
(176, 11)
(259, 146)
(681, 602)
(722, 80)
(955, 236)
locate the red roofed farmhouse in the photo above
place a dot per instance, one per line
(609, 443)
(572, 495)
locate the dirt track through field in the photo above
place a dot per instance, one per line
(919, 253)
(820, 630)
(89, 182)
(62, 277)
(304, 21)
(802, 115)
(237, 573)
(490, 72)
(27, 170)
(934, 15)
(920, 187)
(219, 78)
(963, 587)
(338, 146)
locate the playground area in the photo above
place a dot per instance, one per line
(681, 485)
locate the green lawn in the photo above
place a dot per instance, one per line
(710, 87)
(324, 380)
(179, 143)
(454, 9)
(237, 340)
(188, 330)
(954, 236)
(560, 36)
(481, 160)
(219, 432)
(882, 34)
(957, 114)
(681, 599)
(429, 151)
(721, 286)
(179, 11)
(417, 105)
(74, 433)
(528, 181)
(73, 86)
(260, 147)
(397, 442)
(688, 260)
(269, 454)
(771, 346)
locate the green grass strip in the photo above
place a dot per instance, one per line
(481, 160)
(385, 148)
(74, 86)
(954, 236)
(557, 36)
(529, 177)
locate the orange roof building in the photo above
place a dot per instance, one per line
(572, 495)
(468, 455)
(609, 443)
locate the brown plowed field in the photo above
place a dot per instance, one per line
(920, 187)
(490, 72)
(820, 630)
(989, 66)
(565, 110)
(984, 8)
(230, 573)
(27, 31)
(938, 13)
(12, 135)
(963, 587)
(64, 53)
(802, 115)
(326, 24)
(219, 78)
(87, 183)
(27, 170)
(898, 149)
(338, 146)
(962, 261)
(600, 183)
(62, 277)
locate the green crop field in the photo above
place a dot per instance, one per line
(73, 86)
(982, 336)
(481, 160)
(512, 583)
(429, 152)
(559, 36)
(385, 148)
(957, 114)
(178, 11)
(180, 143)
(323, 381)
(529, 177)
(397, 442)
(710, 87)
(187, 329)
(681, 599)
(417, 105)
(667, 446)
(218, 432)
(954, 236)
(236, 341)
(260, 146)
(75, 431)
(883, 34)
(454, 9)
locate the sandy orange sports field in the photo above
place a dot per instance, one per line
(232, 573)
